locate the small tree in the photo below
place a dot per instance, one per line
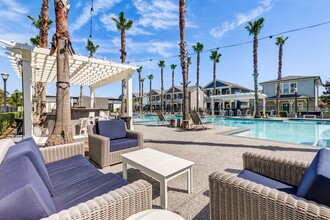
(142, 85)
(198, 48)
(91, 48)
(325, 98)
(161, 64)
(150, 77)
(173, 66)
(215, 56)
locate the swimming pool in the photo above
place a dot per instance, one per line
(292, 131)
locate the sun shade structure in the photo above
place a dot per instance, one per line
(239, 97)
(34, 64)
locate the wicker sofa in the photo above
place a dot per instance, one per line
(108, 140)
(232, 197)
(59, 183)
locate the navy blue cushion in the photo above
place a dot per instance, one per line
(316, 181)
(112, 129)
(71, 171)
(86, 190)
(271, 183)
(23, 194)
(123, 143)
(29, 148)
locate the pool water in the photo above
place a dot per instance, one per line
(292, 131)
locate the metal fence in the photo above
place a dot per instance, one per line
(9, 109)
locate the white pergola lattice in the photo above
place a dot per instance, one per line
(240, 97)
(34, 64)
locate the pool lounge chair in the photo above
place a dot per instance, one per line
(271, 187)
(197, 121)
(162, 120)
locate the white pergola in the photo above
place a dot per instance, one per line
(239, 97)
(34, 64)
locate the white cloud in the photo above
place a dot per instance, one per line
(78, 5)
(241, 18)
(99, 7)
(159, 14)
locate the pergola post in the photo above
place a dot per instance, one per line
(212, 106)
(129, 99)
(27, 93)
(263, 107)
(92, 95)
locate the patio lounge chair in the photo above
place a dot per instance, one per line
(162, 120)
(109, 139)
(272, 187)
(197, 121)
(59, 183)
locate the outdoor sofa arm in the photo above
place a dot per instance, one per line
(136, 135)
(118, 204)
(99, 149)
(232, 197)
(61, 152)
(282, 169)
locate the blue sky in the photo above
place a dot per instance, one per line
(155, 35)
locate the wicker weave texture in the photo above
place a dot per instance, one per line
(282, 169)
(118, 204)
(60, 152)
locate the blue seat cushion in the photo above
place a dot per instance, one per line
(23, 194)
(70, 172)
(263, 180)
(123, 143)
(112, 129)
(87, 189)
(316, 181)
(29, 148)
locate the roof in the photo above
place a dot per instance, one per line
(225, 83)
(292, 78)
(180, 88)
(83, 70)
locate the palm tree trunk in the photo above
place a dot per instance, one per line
(214, 77)
(162, 92)
(150, 96)
(62, 133)
(41, 86)
(197, 82)
(140, 103)
(279, 79)
(142, 85)
(123, 58)
(172, 92)
(184, 63)
(255, 76)
(81, 95)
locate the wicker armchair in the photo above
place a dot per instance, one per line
(99, 146)
(232, 197)
(118, 204)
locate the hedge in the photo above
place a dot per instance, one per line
(7, 119)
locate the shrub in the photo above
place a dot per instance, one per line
(7, 119)
(282, 113)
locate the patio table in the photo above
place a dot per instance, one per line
(160, 166)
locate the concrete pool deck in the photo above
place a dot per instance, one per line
(211, 150)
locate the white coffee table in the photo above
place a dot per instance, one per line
(160, 166)
(152, 214)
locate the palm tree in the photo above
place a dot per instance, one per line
(42, 24)
(62, 133)
(123, 25)
(215, 56)
(139, 70)
(198, 48)
(255, 28)
(142, 85)
(279, 42)
(151, 77)
(188, 63)
(183, 60)
(173, 66)
(161, 64)
(91, 48)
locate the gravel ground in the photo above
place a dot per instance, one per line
(211, 151)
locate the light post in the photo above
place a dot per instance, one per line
(5, 77)
(16, 94)
(295, 100)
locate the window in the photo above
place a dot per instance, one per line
(288, 88)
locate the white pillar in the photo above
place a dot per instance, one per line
(129, 99)
(27, 94)
(212, 106)
(92, 95)
(264, 107)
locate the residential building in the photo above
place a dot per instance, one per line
(303, 89)
(155, 100)
(225, 88)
